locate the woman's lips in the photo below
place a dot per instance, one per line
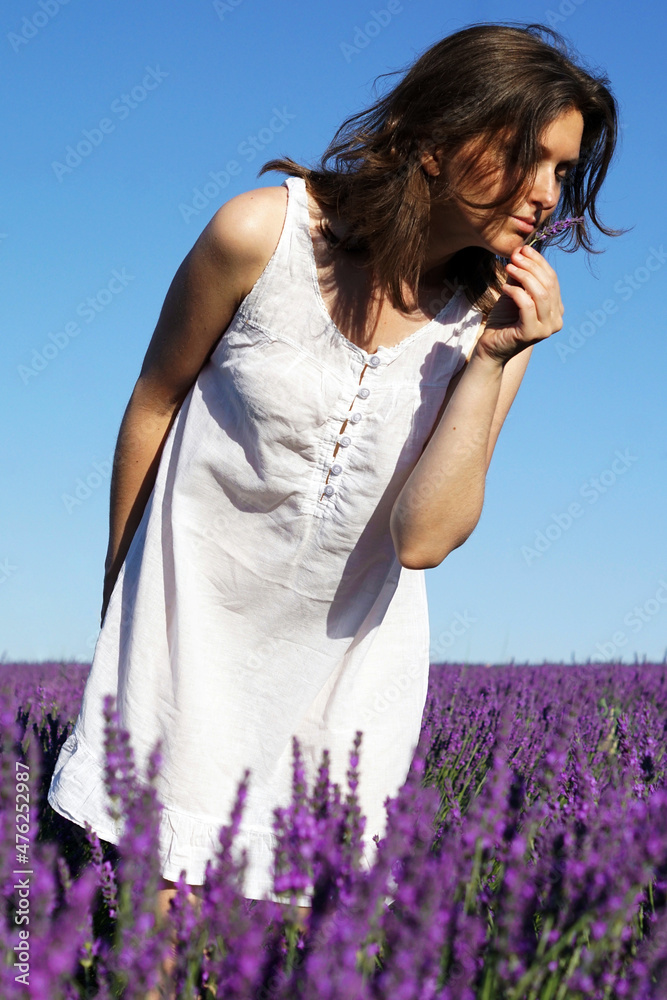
(526, 227)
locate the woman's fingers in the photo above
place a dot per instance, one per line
(530, 281)
(530, 310)
(543, 290)
(519, 295)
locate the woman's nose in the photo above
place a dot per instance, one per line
(546, 190)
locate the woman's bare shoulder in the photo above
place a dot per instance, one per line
(249, 225)
(207, 289)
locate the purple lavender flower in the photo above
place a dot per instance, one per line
(105, 872)
(526, 852)
(555, 228)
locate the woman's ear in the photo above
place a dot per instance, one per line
(431, 162)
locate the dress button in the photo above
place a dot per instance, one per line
(375, 361)
(328, 489)
(344, 441)
(336, 469)
(355, 418)
(364, 393)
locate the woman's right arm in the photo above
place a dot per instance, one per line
(203, 297)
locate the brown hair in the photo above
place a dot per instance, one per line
(492, 82)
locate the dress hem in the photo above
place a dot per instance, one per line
(186, 843)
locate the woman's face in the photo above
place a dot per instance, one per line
(500, 229)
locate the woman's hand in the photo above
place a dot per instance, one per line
(535, 310)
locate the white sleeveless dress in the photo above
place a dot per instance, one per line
(261, 596)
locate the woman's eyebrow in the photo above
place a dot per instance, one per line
(573, 160)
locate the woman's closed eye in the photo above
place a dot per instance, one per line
(567, 177)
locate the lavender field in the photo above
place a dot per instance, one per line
(525, 858)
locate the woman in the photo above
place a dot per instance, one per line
(311, 429)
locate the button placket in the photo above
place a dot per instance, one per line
(345, 440)
(362, 393)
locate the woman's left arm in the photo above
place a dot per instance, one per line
(441, 501)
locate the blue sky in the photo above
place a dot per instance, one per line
(569, 560)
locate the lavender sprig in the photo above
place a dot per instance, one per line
(556, 227)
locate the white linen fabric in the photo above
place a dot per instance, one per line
(261, 596)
